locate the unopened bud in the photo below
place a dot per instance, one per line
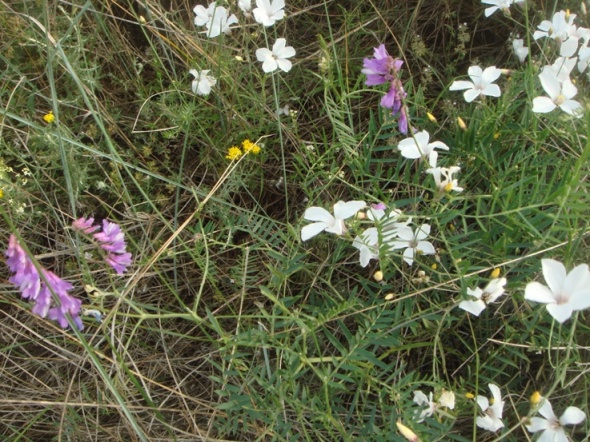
(431, 117)
(495, 273)
(536, 398)
(389, 296)
(142, 20)
(406, 432)
(461, 123)
(378, 276)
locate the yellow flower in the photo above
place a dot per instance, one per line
(536, 398)
(495, 273)
(233, 153)
(250, 147)
(49, 117)
(1, 193)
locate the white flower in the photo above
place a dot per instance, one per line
(325, 221)
(520, 50)
(418, 147)
(584, 56)
(559, 28)
(560, 95)
(203, 82)
(413, 241)
(443, 177)
(504, 5)
(447, 399)
(490, 293)
(562, 67)
(368, 245)
(567, 292)
(277, 58)
(269, 11)
(551, 426)
(214, 18)
(492, 418)
(245, 6)
(481, 83)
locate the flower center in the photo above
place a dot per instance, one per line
(561, 298)
(560, 100)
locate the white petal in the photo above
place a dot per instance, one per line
(492, 90)
(537, 292)
(550, 83)
(572, 416)
(409, 255)
(483, 402)
(344, 210)
(475, 72)
(491, 74)
(546, 410)
(420, 398)
(461, 85)
(284, 65)
(422, 232)
(560, 312)
(318, 214)
(571, 107)
(263, 54)
(543, 105)
(473, 307)
(554, 273)
(471, 95)
(426, 248)
(312, 230)
(538, 424)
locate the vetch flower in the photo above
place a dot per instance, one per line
(560, 95)
(567, 292)
(413, 241)
(492, 418)
(325, 221)
(443, 178)
(419, 147)
(268, 12)
(551, 426)
(504, 5)
(85, 225)
(520, 50)
(277, 58)
(42, 289)
(381, 69)
(203, 82)
(481, 84)
(489, 294)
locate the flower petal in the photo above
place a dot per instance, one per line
(572, 416)
(312, 230)
(555, 274)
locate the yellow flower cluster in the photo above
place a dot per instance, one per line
(248, 146)
(49, 117)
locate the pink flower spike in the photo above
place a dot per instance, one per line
(119, 262)
(85, 225)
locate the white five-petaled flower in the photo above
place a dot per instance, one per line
(520, 50)
(443, 177)
(413, 241)
(567, 292)
(551, 426)
(214, 18)
(562, 67)
(504, 5)
(447, 399)
(559, 28)
(492, 418)
(269, 11)
(419, 147)
(560, 95)
(277, 58)
(481, 84)
(203, 82)
(490, 293)
(368, 245)
(325, 221)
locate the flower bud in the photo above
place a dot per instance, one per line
(378, 276)
(461, 123)
(495, 273)
(406, 432)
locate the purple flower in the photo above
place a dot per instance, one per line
(119, 262)
(111, 239)
(383, 68)
(85, 225)
(40, 290)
